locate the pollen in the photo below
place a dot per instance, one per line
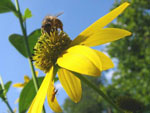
(49, 48)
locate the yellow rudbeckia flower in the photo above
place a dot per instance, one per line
(21, 85)
(26, 80)
(73, 56)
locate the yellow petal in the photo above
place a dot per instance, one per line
(99, 24)
(81, 59)
(15, 110)
(26, 79)
(18, 85)
(17, 101)
(52, 101)
(104, 36)
(71, 84)
(36, 73)
(106, 61)
(37, 103)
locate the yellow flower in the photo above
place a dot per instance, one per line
(73, 56)
(21, 85)
(26, 80)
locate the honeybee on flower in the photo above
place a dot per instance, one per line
(52, 23)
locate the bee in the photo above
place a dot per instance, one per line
(53, 94)
(52, 23)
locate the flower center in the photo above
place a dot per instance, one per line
(49, 48)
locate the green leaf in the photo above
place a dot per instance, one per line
(27, 14)
(7, 86)
(7, 6)
(27, 95)
(0, 87)
(18, 42)
(33, 38)
(56, 79)
(2, 94)
(1, 91)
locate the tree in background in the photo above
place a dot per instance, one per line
(90, 102)
(130, 83)
(133, 53)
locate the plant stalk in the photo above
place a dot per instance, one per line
(5, 97)
(95, 88)
(8, 105)
(27, 48)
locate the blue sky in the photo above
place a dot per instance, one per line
(77, 16)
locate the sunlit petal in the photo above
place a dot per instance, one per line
(81, 59)
(26, 79)
(106, 61)
(18, 85)
(51, 97)
(37, 103)
(99, 24)
(36, 73)
(17, 101)
(71, 84)
(104, 36)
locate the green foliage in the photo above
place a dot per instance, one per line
(7, 6)
(132, 77)
(27, 94)
(25, 47)
(1, 91)
(33, 38)
(4, 92)
(27, 14)
(133, 53)
(18, 41)
(130, 104)
(91, 102)
(7, 86)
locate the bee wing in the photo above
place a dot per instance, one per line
(49, 15)
(58, 14)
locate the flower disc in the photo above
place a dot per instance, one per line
(49, 48)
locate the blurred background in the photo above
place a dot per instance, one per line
(127, 84)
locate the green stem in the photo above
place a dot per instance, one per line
(27, 48)
(8, 105)
(3, 87)
(5, 97)
(95, 88)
